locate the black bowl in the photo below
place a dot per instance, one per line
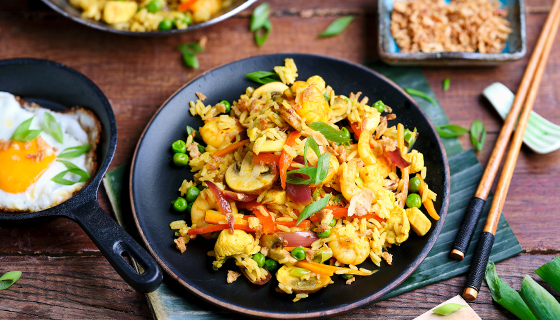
(155, 180)
(69, 11)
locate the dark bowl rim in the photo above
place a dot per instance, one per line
(90, 190)
(404, 274)
(107, 28)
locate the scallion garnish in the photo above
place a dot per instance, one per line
(450, 130)
(541, 303)
(52, 127)
(72, 168)
(313, 208)
(9, 278)
(336, 27)
(414, 92)
(448, 309)
(23, 133)
(74, 152)
(260, 24)
(263, 77)
(330, 133)
(189, 51)
(550, 272)
(446, 83)
(478, 134)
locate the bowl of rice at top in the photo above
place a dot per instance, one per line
(451, 32)
(148, 17)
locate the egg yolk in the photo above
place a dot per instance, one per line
(22, 163)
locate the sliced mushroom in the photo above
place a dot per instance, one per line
(291, 117)
(250, 178)
(297, 284)
(272, 87)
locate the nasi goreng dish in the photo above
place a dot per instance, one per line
(150, 15)
(296, 181)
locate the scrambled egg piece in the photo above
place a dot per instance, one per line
(275, 196)
(237, 243)
(398, 226)
(314, 106)
(418, 221)
(416, 160)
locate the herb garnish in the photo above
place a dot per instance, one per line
(450, 130)
(72, 168)
(330, 133)
(313, 208)
(23, 133)
(446, 84)
(260, 24)
(74, 152)
(336, 27)
(420, 94)
(478, 134)
(189, 51)
(9, 278)
(263, 77)
(448, 309)
(52, 127)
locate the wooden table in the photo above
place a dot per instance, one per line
(65, 275)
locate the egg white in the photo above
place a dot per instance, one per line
(76, 130)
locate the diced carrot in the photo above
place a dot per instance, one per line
(286, 159)
(217, 227)
(315, 267)
(357, 131)
(266, 220)
(305, 224)
(327, 268)
(265, 158)
(429, 205)
(186, 5)
(232, 147)
(289, 248)
(217, 218)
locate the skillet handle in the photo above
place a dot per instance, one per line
(114, 242)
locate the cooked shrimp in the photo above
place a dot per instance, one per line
(348, 175)
(220, 130)
(364, 149)
(371, 177)
(314, 106)
(347, 246)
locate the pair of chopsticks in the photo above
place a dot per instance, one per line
(527, 94)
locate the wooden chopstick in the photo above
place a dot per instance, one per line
(476, 206)
(482, 253)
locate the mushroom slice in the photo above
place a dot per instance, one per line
(291, 117)
(272, 87)
(298, 285)
(250, 178)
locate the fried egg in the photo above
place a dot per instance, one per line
(40, 162)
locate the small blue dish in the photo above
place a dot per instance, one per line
(514, 50)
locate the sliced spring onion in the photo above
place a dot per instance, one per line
(450, 130)
(323, 255)
(448, 309)
(478, 134)
(74, 152)
(310, 143)
(446, 84)
(52, 127)
(263, 77)
(23, 133)
(262, 33)
(327, 97)
(504, 295)
(259, 16)
(541, 303)
(72, 168)
(189, 51)
(316, 174)
(336, 27)
(331, 133)
(313, 208)
(550, 272)
(299, 272)
(9, 278)
(414, 92)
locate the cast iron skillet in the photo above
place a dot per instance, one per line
(154, 182)
(69, 11)
(55, 86)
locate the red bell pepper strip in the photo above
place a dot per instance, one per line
(266, 220)
(265, 158)
(286, 159)
(357, 131)
(305, 224)
(186, 5)
(251, 205)
(232, 147)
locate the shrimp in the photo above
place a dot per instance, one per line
(347, 246)
(372, 177)
(364, 149)
(348, 174)
(220, 130)
(314, 107)
(205, 201)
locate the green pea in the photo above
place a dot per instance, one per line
(324, 234)
(188, 20)
(165, 25)
(227, 104)
(347, 276)
(154, 6)
(333, 223)
(180, 159)
(192, 193)
(270, 265)
(180, 204)
(380, 106)
(414, 184)
(298, 253)
(260, 259)
(413, 200)
(179, 146)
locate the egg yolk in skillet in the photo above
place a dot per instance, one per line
(22, 163)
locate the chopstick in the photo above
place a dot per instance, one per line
(482, 253)
(476, 205)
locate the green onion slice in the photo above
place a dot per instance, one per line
(310, 142)
(9, 278)
(331, 133)
(541, 303)
(263, 77)
(262, 34)
(446, 84)
(313, 208)
(72, 168)
(504, 295)
(550, 272)
(414, 92)
(74, 152)
(478, 134)
(448, 309)
(23, 133)
(259, 16)
(52, 127)
(450, 130)
(336, 27)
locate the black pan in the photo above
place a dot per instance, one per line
(69, 11)
(57, 87)
(155, 180)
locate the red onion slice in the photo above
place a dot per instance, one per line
(296, 239)
(223, 204)
(236, 196)
(299, 193)
(396, 158)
